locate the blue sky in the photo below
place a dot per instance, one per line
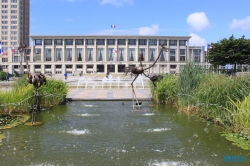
(206, 21)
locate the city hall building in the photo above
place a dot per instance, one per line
(100, 53)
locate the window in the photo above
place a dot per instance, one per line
(38, 42)
(4, 11)
(13, 11)
(89, 54)
(172, 55)
(121, 42)
(173, 42)
(58, 54)
(4, 1)
(13, 22)
(142, 42)
(196, 52)
(4, 27)
(13, 16)
(47, 41)
(163, 56)
(4, 17)
(131, 42)
(131, 55)
(47, 54)
(4, 32)
(152, 42)
(142, 52)
(79, 41)
(13, 27)
(121, 54)
(4, 22)
(58, 41)
(182, 42)
(111, 41)
(99, 54)
(79, 54)
(4, 6)
(14, 1)
(110, 55)
(13, 32)
(90, 41)
(69, 54)
(182, 52)
(172, 66)
(4, 38)
(68, 41)
(13, 6)
(100, 41)
(152, 54)
(47, 66)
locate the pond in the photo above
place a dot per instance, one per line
(110, 133)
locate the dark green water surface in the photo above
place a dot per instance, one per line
(110, 133)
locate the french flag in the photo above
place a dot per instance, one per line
(1, 52)
(113, 26)
(12, 49)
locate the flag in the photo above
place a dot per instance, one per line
(4, 52)
(114, 50)
(1, 52)
(204, 48)
(113, 26)
(12, 49)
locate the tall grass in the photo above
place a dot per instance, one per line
(21, 98)
(165, 90)
(219, 98)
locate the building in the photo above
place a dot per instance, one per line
(98, 54)
(14, 28)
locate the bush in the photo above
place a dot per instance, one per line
(2, 76)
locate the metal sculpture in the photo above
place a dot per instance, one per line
(136, 71)
(37, 79)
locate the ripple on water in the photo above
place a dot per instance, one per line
(78, 132)
(86, 114)
(149, 114)
(157, 130)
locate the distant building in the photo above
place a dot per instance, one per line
(100, 53)
(14, 29)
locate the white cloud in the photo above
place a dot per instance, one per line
(149, 30)
(198, 21)
(117, 2)
(243, 23)
(196, 40)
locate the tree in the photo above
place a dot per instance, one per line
(230, 51)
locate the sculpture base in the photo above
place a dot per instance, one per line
(30, 123)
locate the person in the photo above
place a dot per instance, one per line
(7, 76)
(107, 75)
(66, 75)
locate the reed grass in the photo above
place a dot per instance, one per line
(21, 98)
(165, 90)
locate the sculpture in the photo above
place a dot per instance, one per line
(139, 70)
(37, 79)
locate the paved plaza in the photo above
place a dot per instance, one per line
(107, 92)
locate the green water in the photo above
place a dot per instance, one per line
(110, 133)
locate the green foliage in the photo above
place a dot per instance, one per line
(239, 140)
(2, 76)
(21, 98)
(165, 91)
(188, 82)
(231, 50)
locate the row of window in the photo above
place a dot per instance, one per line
(6, 32)
(6, 38)
(12, 22)
(109, 42)
(11, 11)
(6, 6)
(12, 1)
(11, 27)
(12, 16)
